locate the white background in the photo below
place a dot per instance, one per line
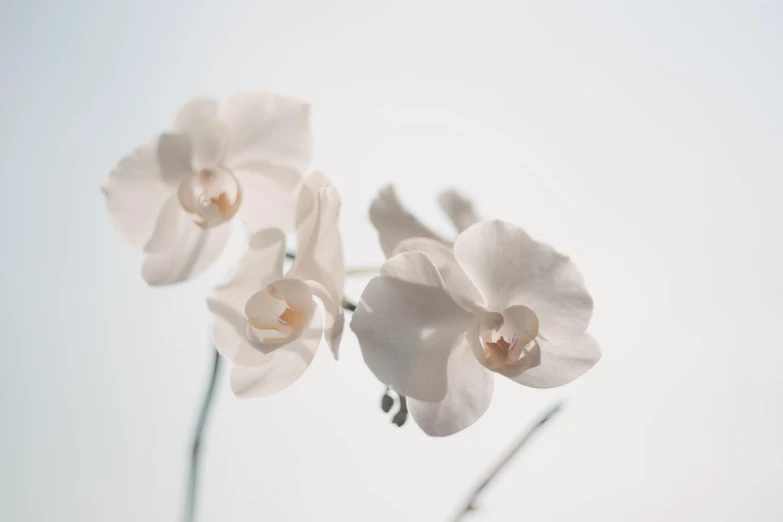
(643, 140)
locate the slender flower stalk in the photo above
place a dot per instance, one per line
(191, 495)
(470, 504)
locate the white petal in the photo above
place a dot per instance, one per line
(509, 268)
(458, 284)
(193, 250)
(261, 264)
(470, 387)
(199, 119)
(561, 364)
(280, 368)
(319, 256)
(270, 138)
(458, 208)
(140, 185)
(407, 325)
(265, 204)
(394, 223)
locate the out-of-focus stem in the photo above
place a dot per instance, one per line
(470, 504)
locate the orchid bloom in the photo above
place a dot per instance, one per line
(173, 198)
(266, 323)
(396, 224)
(439, 322)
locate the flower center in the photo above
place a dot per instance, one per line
(211, 196)
(508, 341)
(277, 314)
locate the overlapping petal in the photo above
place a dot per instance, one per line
(319, 256)
(261, 264)
(509, 267)
(192, 250)
(394, 223)
(142, 183)
(561, 364)
(269, 151)
(457, 283)
(281, 367)
(199, 120)
(469, 393)
(407, 325)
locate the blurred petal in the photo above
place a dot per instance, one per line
(407, 325)
(142, 183)
(470, 387)
(193, 250)
(458, 284)
(458, 208)
(561, 364)
(199, 120)
(280, 368)
(270, 138)
(509, 267)
(261, 264)
(394, 223)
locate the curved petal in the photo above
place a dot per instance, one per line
(261, 264)
(561, 364)
(199, 120)
(334, 318)
(140, 185)
(193, 250)
(509, 267)
(407, 325)
(319, 248)
(394, 223)
(458, 208)
(270, 138)
(470, 387)
(457, 281)
(280, 368)
(319, 257)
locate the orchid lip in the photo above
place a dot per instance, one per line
(211, 196)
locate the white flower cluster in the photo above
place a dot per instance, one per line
(435, 325)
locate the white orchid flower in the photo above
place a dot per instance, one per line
(396, 224)
(173, 197)
(266, 323)
(438, 323)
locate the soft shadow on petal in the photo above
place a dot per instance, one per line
(192, 252)
(136, 190)
(561, 364)
(509, 267)
(270, 136)
(394, 223)
(260, 264)
(279, 369)
(199, 120)
(334, 318)
(458, 284)
(407, 325)
(470, 388)
(319, 249)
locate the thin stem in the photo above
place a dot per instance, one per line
(525, 436)
(192, 493)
